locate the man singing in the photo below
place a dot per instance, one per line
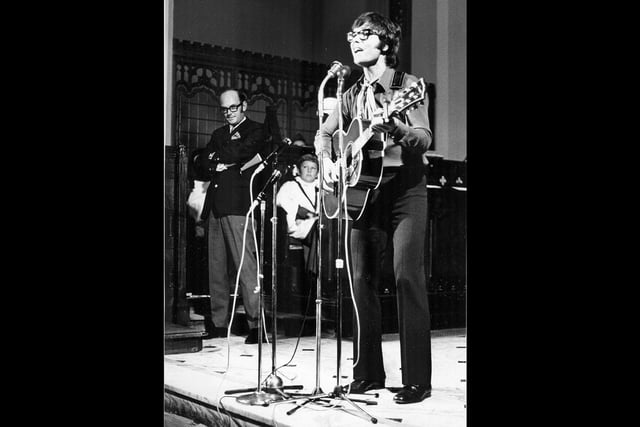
(397, 209)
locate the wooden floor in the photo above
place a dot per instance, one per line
(195, 383)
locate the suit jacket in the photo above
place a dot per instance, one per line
(228, 193)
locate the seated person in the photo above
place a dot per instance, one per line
(291, 156)
(299, 199)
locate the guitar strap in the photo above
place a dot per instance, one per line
(363, 100)
(398, 79)
(305, 194)
(397, 84)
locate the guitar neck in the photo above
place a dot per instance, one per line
(399, 104)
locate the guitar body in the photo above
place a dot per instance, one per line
(363, 167)
(363, 151)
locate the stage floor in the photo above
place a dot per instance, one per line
(195, 383)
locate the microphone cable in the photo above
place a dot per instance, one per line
(233, 307)
(347, 262)
(248, 216)
(346, 247)
(258, 271)
(304, 319)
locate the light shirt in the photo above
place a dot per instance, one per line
(232, 128)
(290, 197)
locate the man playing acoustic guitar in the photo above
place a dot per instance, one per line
(394, 204)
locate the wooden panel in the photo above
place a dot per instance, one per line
(176, 306)
(445, 260)
(169, 216)
(445, 265)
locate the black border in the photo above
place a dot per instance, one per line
(109, 309)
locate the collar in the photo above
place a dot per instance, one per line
(384, 80)
(232, 128)
(307, 184)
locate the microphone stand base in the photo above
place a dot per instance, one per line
(273, 381)
(259, 398)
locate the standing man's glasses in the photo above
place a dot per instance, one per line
(362, 34)
(232, 108)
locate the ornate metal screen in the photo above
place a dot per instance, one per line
(203, 71)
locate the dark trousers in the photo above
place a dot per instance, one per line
(225, 252)
(397, 209)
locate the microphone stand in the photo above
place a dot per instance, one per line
(318, 301)
(338, 390)
(260, 397)
(317, 392)
(273, 381)
(274, 386)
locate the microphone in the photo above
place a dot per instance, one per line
(275, 176)
(281, 148)
(338, 70)
(335, 67)
(344, 71)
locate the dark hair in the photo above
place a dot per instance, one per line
(307, 158)
(388, 31)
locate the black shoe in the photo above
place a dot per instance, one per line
(218, 333)
(412, 394)
(252, 338)
(212, 331)
(361, 386)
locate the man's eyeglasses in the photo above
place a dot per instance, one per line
(362, 34)
(232, 108)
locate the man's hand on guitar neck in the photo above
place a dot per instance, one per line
(380, 123)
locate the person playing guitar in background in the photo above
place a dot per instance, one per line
(394, 206)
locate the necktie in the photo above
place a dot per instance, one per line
(366, 108)
(366, 100)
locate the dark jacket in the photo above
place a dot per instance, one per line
(228, 193)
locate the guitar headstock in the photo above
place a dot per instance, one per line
(409, 97)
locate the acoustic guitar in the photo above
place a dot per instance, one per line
(363, 152)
